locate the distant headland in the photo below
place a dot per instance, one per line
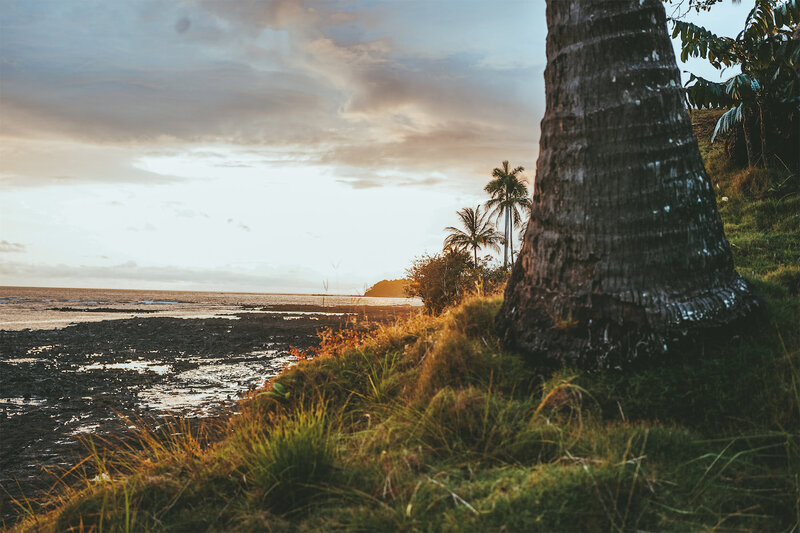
(388, 288)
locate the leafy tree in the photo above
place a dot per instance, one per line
(442, 279)
(763, 100)
(625, 256)
(477, 232)
(508, 194)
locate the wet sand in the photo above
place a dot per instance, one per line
(57, 385)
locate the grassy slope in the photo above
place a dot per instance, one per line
(428, 425)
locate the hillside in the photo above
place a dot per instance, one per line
(394, 288)
(429, 425)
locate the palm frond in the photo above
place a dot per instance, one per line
(696, 41)
(702, 93)
(727, 121)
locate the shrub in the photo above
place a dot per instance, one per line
(441, 280)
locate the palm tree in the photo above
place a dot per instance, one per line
(479, 232)
(625, 256)
(508, 193)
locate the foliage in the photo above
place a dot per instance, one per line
(441, 279)
(763, 100)
(682, 7)
(508, 194)
(477, 232)
(760, 209)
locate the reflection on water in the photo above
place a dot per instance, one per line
(214, 383)
(14, 406)
(39, 349)
(135, 366)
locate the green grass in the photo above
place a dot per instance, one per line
(428, 425)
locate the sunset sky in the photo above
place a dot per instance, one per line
(258, 146)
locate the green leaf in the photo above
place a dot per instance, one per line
(727, 121)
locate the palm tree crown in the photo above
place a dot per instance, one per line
(477, 232)
(508, 193)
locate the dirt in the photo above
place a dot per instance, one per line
(61, 385)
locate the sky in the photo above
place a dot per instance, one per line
(264, 146)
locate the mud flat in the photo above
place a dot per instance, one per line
(58, 385)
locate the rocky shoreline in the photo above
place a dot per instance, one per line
(58, 386)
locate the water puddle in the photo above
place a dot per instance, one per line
(87, 429)
(36, 350)
(13, 406)
(214, 383)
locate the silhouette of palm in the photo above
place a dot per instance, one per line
(508, 194)
(477, 232)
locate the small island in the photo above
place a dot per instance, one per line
(388, 288)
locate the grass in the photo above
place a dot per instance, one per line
(428, 425)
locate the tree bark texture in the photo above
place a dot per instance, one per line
(511, 233)
(505, 243)
(625, 252)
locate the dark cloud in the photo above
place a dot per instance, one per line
(183, 24)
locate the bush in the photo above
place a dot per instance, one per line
(441, 280)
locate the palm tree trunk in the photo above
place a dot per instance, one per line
(511, 235)
(505, 241)
(625, 238)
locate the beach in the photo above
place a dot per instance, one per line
(81, 362)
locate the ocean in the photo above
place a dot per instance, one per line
(50, 308)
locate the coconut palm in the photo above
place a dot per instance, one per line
(625, 243)
(477, 232)
(508, 194)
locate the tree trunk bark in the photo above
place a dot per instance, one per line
(505, 241)
(763, 132)
(748, 143)
(625, 253)
(511, 234)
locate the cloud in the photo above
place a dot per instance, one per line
(11, 247)
(183, 24)
(327, 81)
(381, 181)
(131, 274)
(35, 163)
